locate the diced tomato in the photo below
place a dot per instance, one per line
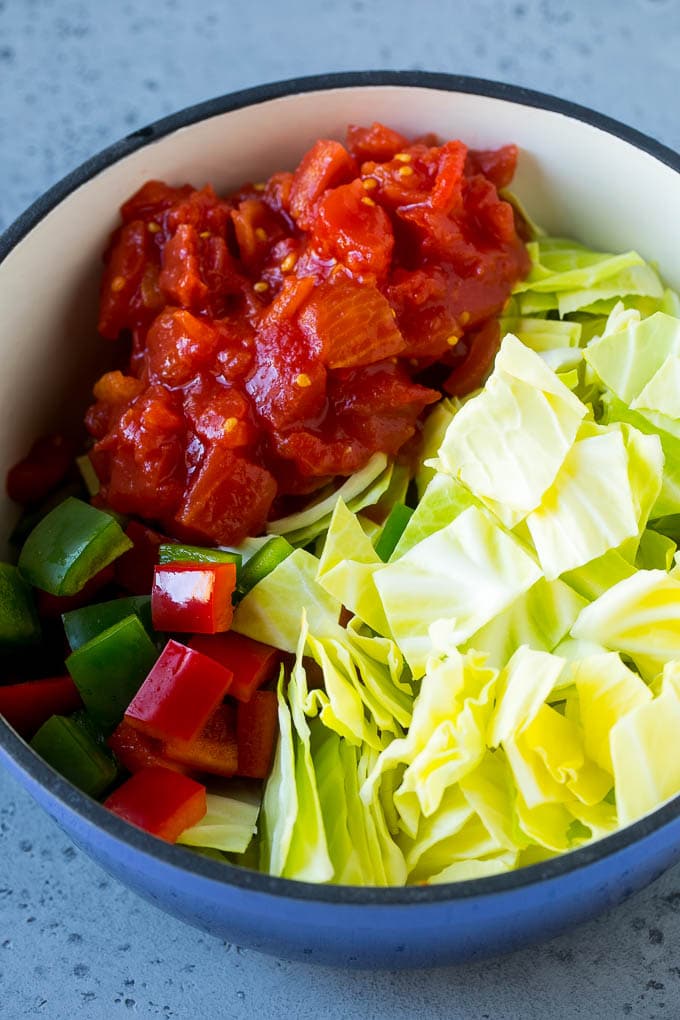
(160, 801)
(326, 165)
(447, 193)
(251, 662)
(256, 729)
(350, 323)
(477, 365)
(46, 465)
(122, 304)
(136, 751)
(228, 499)
(180, 278)
(152, 199)
(214, 750)
(134, 569)
(352, 228)
(193, 598)
(498, 165)
(179, 344)
(27, 706)
(179, 695)
(377, 142)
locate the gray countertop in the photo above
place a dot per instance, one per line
(75, 76)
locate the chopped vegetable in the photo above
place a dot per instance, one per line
(172, 552)
(213, 750)
(160, 801)
(19, 623)
(26, 706)
(229, 823)
(262, 562)
(81, 625)
(256, 729)
(393, 528)
(70, 546)
(41, 471)
(193, 598)
(70, 750)
(180, 693)
(135, 751)
(252, 663)
(109, 669)
(134, 569)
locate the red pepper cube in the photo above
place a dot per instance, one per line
(160, 801)
(251, 662)
(51, 607)
(193, 597)
(214, 750)
(256, 731)
(179, 695)
(27, 706)
(135, 751)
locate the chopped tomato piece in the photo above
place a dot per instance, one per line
(27, 706)
(326, 165)
(498, 165)
(214, 750)
(179, 344)
(351, 323)
(193, 598)
(180, 278)
(257, 728)
(42, 469)
(152, 199)
(377, 142)
(122, 304)
(477, 365)
(252, 663)
(160, 801)
(179, 695)
(352, 228)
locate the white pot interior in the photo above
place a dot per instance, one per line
(575, 180)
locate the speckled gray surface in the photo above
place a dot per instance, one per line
(74, 76)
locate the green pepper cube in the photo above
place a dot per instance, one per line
(19, 624)
(392, 530)
(266, 559)
(69, 546)
(172, 553)
(109, 670)
(81, 625)
(69, 749)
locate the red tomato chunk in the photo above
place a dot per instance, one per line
(179, 695)
(161, 801)
(193, 598)
(278, 335)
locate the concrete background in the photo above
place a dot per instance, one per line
(75, 76)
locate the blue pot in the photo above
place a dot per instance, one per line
(387, 928)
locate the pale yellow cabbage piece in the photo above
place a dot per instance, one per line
(508, 443)
(607, 690)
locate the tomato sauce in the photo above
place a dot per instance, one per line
(281, 335)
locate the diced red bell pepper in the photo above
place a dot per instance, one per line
(214, 750)
(53, 606)
(161, 801)
(27, 706)
(41, 470)
(194, 598)
(134, 569)
(179, 695)
(256, 730)
(251, 662)
(135, 751)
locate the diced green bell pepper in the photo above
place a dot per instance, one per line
(19, 623)
(109, 670)
(69, 546)
(71, 751)
(266, 559)
(171, 553)
(81, 625)
(392, 530)
(28, 521)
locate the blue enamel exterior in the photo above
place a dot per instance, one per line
(386, 928)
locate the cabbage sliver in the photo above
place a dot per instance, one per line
(229, 823)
